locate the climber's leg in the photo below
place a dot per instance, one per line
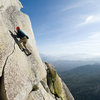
(19, 44)
(24, 44)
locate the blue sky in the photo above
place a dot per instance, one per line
(64, 27)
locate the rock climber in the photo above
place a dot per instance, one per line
(23, 39)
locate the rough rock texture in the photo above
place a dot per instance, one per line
(21, 77)
(56, 86)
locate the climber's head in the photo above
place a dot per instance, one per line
(18, 28)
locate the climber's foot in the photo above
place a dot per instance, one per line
(28, 54)
(22, 49)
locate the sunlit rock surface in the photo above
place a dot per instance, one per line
(22, 77)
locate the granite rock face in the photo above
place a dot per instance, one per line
(22, 77)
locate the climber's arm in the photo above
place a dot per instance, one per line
(15, 31)
(16, 34)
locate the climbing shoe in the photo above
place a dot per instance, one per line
(22, 49)
(28, 54)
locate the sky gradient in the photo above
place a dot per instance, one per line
(64, 27)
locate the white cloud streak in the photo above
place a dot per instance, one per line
(78, 4)
(72, 7)
(90, 20)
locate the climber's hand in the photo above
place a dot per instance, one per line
(15, 31)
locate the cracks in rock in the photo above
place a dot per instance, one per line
(43, 98)
(2, 87)
(14, 43)
(7, 58)
(3, 95)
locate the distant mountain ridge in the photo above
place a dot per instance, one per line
(83, 82)
(64, 65)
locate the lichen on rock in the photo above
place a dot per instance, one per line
(55, 83)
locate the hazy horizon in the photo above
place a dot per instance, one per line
(71, 57)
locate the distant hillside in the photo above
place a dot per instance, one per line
(62, 64)
(65, 65)
(83, 82)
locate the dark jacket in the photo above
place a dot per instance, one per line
(21, 34)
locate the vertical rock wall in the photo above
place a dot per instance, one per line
(19, 73)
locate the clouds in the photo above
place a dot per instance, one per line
(87, 20)
(78, 4)
(90, 20)
(95, 36)
(89, 46)
(71, 7)
(68, 27)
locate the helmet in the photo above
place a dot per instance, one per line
(18, 28)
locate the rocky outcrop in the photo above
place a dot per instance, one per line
(22, 77)
(56, 85)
